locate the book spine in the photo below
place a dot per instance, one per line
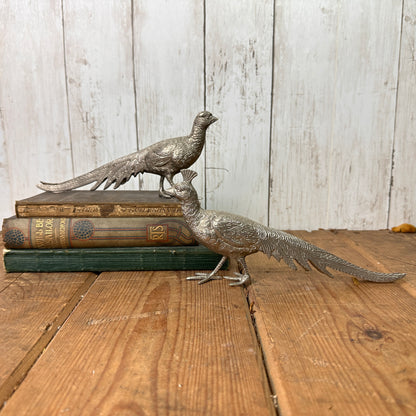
(55, 232)
(111, 259)
(95, 210)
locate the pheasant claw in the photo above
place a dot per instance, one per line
(203, 277)
(240, 279)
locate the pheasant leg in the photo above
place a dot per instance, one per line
(205, 277)
(162, 191)
(240, 278)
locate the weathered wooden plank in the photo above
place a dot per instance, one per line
(332, 346)
(365, 100)
(99, 69)
(32, 308)
(169, 73)
(333, 120)
(403, 192)
(305, 49)
(395, 251)
(6, 206)
(239, 38)
(150, 343)
(33, 95)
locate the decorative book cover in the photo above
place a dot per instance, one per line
(101, 204)
(54, 232)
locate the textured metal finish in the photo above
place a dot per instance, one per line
(165, 158)
(236, 237)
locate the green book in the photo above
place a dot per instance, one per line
(111, 259)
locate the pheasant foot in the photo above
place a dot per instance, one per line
(204, 277)
(240, 279)
(164, 194)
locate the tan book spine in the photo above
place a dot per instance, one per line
(96, 210)
(64, 232)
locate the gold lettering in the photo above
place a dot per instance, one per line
(157, 232)
(62, 233)
(39, 241)
(39, 222)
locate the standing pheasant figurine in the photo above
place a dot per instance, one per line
(165, 158)
(236, 237)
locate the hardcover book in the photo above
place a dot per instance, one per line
(101, 204)
(111, 259)
(67, 232)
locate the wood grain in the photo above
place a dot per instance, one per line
(239, 36)
(363, 122)
(403, 192)
(32, 308)
(34, 117)
(6, 205)
(395, 251)
(169, 73)
(150, 343)
(99, 70)
(304, 77)
(333, 120)
(332, 347)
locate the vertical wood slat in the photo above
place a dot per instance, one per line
(6, 204)
(365, 100)
(239, 37)
(305, 49)
(169, 73)
(99, 69)
(334, 101)
(403, 191)
(145, 344)
(34, 113)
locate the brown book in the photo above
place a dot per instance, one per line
(103, 204)
(67, 232)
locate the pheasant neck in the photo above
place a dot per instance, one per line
(198, 132)
(191, 210)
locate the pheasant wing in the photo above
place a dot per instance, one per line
(237, 231)
(162, 153)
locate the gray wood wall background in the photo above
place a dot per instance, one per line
(315, 100)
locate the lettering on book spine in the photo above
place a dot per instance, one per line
(39, 231)
(157, 232)
(50, 233)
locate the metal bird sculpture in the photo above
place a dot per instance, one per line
(165, 158)
(236, 237)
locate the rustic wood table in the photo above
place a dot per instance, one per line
(152, 343)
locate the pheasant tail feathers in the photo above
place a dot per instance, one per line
(290, 248)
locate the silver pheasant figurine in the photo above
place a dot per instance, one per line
(236, 237)
(165, 158)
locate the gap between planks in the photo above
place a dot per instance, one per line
(13, 381)
(287, 351)
(222, 324)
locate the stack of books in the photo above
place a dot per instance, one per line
(101, 231)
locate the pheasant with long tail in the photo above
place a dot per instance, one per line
(165, 158)
(236, 237)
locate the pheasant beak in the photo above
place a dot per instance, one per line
(212, 119)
